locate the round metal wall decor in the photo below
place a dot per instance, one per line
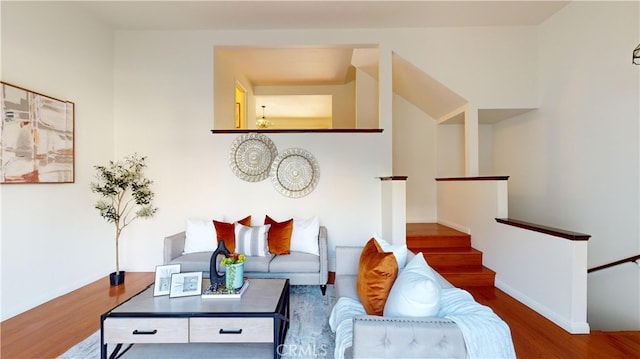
(295, 172)
(251, 156)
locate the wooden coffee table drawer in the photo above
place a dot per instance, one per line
(231, 330)
(146, 330)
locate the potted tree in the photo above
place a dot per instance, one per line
(125, 196)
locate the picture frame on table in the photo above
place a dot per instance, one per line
(186, 284)
(162, 284)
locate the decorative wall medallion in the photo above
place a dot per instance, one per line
(251, 156)
(295, 172)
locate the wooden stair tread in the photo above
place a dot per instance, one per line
(427, 243)
(472, 270)
(431, 229)
(453, 258)
(483, 277)
(449, 252)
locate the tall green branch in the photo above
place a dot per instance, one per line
(125, 194)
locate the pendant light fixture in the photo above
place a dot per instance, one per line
(263, 122)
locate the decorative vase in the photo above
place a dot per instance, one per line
(235, 276)
(116, 278)
(215, 277)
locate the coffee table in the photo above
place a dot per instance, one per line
(260, 316)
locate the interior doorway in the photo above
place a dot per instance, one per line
(241, 107)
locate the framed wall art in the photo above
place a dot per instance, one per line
(37, 137)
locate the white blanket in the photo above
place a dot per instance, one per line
(341, 323)
(485, 334)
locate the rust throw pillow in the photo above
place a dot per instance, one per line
(226, 232)
(279, 235)
(377, 271)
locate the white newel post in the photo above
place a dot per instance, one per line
(394, 209)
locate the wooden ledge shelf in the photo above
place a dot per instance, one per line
(572, 236)
(483, 178)
(338, 130)
(393, 178)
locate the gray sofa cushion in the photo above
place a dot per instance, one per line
(295, 262)
(258, 264)
(305, 269)
(195, 262)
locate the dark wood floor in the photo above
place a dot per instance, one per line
(536, 337)
(52, 328)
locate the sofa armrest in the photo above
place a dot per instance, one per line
(347, 260)
(324, 255)
(173, 246)
(389, 337)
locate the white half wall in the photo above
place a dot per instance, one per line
(394, 216)
(546, 273)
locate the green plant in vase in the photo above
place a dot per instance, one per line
(125, 196)
(234, 264)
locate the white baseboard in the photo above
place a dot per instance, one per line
(454, 225)
(422, 219)
(564, 323)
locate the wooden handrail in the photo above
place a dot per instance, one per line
(309, 130)
(572, 236)
(612, 264)
(394, 178)
(483, 178)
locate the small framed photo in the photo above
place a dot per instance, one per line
(185, 284)
(163, 278)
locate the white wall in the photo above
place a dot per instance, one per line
(450, 148)
(414, 155)
(162, 109)
(485, 150)
(547, 273)
(491, 67)
(157, 99)
(53, 241)
(574, 163)
(366, 101)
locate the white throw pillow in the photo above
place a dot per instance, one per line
(252, 241)
(304, 237)
(415, 293)
(200, 236)
(399, 251)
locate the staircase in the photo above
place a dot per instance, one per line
(449, 252)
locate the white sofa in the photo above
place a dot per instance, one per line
(370, 336)
(300, 268)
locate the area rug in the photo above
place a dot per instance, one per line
(309, 335)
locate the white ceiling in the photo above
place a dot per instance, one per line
(240, 14)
